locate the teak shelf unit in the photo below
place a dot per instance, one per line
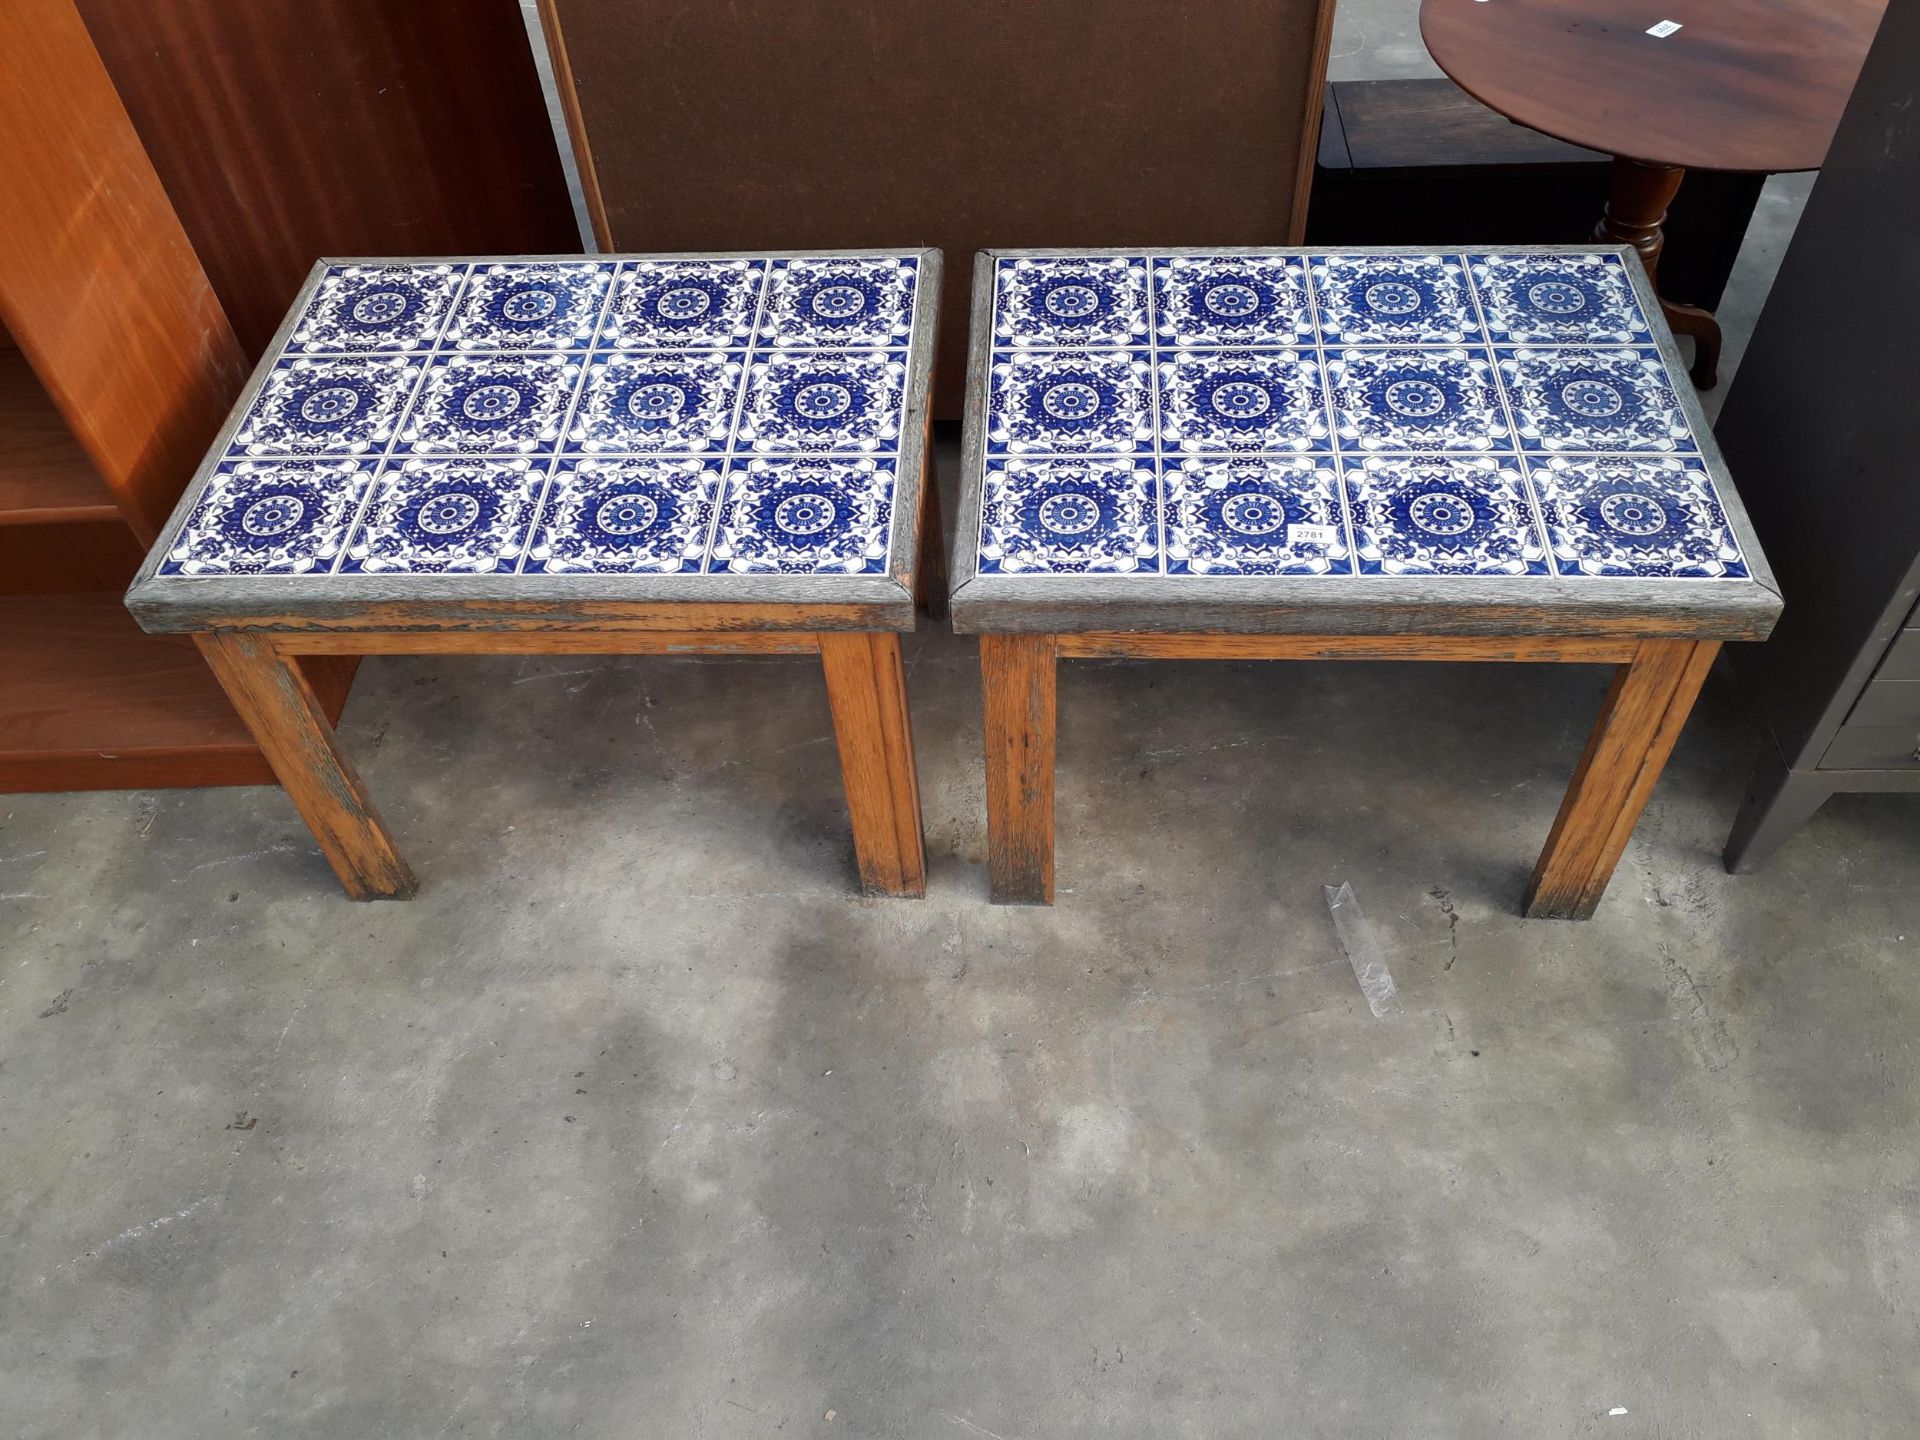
(117, 365)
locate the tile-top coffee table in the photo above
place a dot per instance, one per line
(629, 454)
(1295, 454)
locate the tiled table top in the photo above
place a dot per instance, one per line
(728, 427)
(1366, 428)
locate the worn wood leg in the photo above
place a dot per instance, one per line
(1638, 195)
(1641, 718)
(1778, 802)
(291, 728)
(1018, 674)
(867, 688)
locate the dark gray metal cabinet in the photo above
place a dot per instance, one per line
(1822, 432)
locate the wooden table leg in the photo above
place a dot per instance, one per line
(1642, 716)
(1638, 195)
(867, 688)
(1017, 672)
(291, 728)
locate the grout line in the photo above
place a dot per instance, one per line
(724, 485)
(1532, 495)
(566, 420)
(1333, 420)
(399, 421)
(1154, 417)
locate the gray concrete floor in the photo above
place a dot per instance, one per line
(636, 1123)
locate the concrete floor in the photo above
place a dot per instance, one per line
(636, 1123)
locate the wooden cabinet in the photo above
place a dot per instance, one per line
(261, 136)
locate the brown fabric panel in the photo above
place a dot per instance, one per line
(966, 124)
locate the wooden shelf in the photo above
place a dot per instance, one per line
(93, 703)
(45, 477)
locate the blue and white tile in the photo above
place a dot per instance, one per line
(658, 400)
(684, 304)
(270, 517)
(822, 401)
(1265, 515)
(446, 517)
(1072, 302)
(1070, 401)
(851, 302)
(1058, 516)
(1657, 517)
(1424, 515)
(1416, 400)
(533, 306)
(635, 515)
(1594, 400)
(805, 516)
(1249, 400)
(1242, 300)
(1579, 299)
(361, 308)
(492, 404)
(1393, 300)
(313, 405)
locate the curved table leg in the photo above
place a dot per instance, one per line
(1638, 195)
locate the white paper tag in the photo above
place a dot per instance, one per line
(1663, 29)
(1328, 535)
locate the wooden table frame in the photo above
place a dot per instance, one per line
(253, 631)
(1661, 635)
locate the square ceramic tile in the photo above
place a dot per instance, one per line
(856, 301)
(315, 405)
(269, 517)
(492, 404)
(1265, 515)
(805, 516)
(435, 517)
(361, 308)
(1378, 299)
(684, 304)
(1248, 400)
(1594, 400)
(823, 401)
(522, 306)
(1245, 300)
(1092, 515)
(1571, 299)
(1635, 515)
(658, 400)
(1416, 399)
(1070, 302)
(636, 515)
(1429, 515)
(1071, 401)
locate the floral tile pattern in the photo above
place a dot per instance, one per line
(1364, 414)
(647, 416)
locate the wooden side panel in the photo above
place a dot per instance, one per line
(1171, 645)
(1018, 675)
(98, 282)
(285, 130)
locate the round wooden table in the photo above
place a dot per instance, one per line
(1752, 85)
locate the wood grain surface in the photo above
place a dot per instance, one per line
(293, 732)
(1018, 675)
(1742, 85)
(1645, 709)
(867, 688)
